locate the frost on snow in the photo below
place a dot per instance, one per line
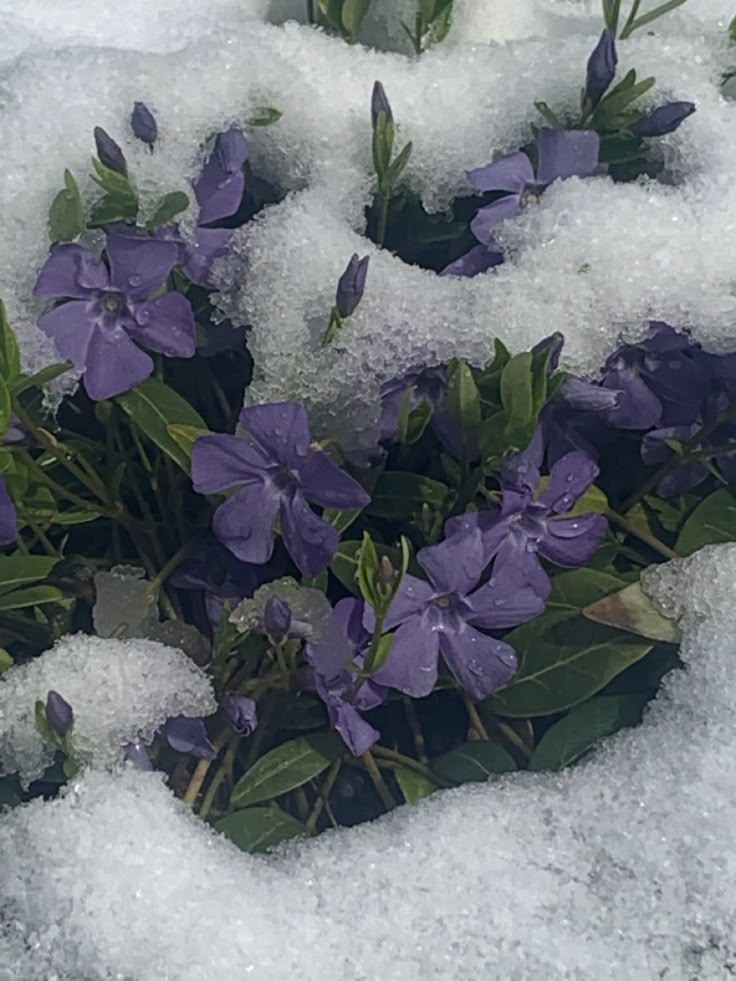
(623, 867)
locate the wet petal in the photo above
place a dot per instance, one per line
(638, 406)
(166, 325)
(456, 564)
(71, 271)
(511, 173)
(281, 429)
(114, 364)
(478, 260)
(571, 542)
(324, 483)
(569, 479)
(138, 265)
(412, 597)
(222, 461)
(506, 600)
(486, 220)
(521, 556)
(209, 244)
(310, 541)
(412, 662)
(244, 523)
(480, 664)
(70, 326)
(187, 735)
(219, 189)
(566, 153)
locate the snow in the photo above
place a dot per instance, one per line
(659, 249)
(120, 691)
(623, 867)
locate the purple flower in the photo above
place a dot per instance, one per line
(137, 755)
(380, 104)
(560, 154)
(8, 516)
(655, 452)
(663, 120)
(335, 682)
(109, 153)
(110, 313)
(429, 385)
(601, 67)
(241, 713)
(478, 260)
(59, 714)
(661, 381)
(143, 124)
(277, 618)
(187, 735)
(223, 578)
(276, 472)
(526, 526)
(219, 188)
(443, 616)
(351, 286)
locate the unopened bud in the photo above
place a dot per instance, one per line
(351, 285)
(241, 713)
(386, 572)
(380, 104)
(663, 120)
(59, 713)
(276, 618)
(109, 152)
(143, 123)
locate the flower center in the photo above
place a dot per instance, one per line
(286, 480)
(112, 303)
(530, 196)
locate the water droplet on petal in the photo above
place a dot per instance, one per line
(134, 280)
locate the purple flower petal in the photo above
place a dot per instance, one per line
(587, 396)
(222, 461)
(486, 220)
(566, 153)
(412, 662)
(241, 713)
(601, 69)
(480, 664)
(244, 523)
(638, 408)
(71, 271)
(187, 735)
(166, 325)
(511, 173)
(114, 364)
(219, 189)
(209, 244)
(478, 260)
(8, 516)
(506, 600)
(569, 479)
(357, 734)
(310, 541)
(412, 597)
(281, 430)
(516, 553)
(571, 542)
(138, 265)
(70, 326)
(137, 755)
(456, 564)
(324, 483)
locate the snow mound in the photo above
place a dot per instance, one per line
(120, 690)
(623, 867)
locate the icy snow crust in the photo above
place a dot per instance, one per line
(624, 867)
(120, 691)
(594, 260)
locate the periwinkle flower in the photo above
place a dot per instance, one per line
(109, 153)
(478, 260)
(8, 516)
(335, 682)
(447, 615)
(143, 124)
(665, 119)
(351, 286)
(224, 579)
(59, 713)
(428, 385)
(601, 69)
(188, 735)
(561, 154)
(277, 618)
(137, 755)
(276, 472)
(527, 526)
(110, 311)
(380, 104)
(220, 186)
(241, 713)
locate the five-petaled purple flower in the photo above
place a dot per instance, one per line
(110, 312)
(560, 154)
(526, 526)
(276, 472)
(335, 682)
(446, 616)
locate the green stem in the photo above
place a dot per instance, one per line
(628, 26)
(375, 774)
(653, 542)
(416, 729)
(311, 13)
(172, 564)
(58, 489)
(410, 763)
(476, 722)
(222, 771)
(382, 204)
(323, 797)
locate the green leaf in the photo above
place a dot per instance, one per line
(66, 215)
(288, 766)
(9, 354)
(413, 785)
(368, 571)
(564, 660)
(473, 762)
(168, 207)
(549, 117)
(344, 565)
(489, 380)
(732, 30)
(632, 610)
(713, 522)
(42, 377)
(6, 405)
(593, 501)
(42, 727)
(426, 10)
(383, 144)
(76, 517)
(401, 495)
(668, 514)
(617, 101)
(341, 520)
(153, 407)
(573, 591)
(516, 391)
(398, 166)
(113, 207)
(352, 15)
(20, 599)
(256, 829)
(648, 17)
(20, 570)
(463, 397)
(265, 116)
(583, 727)
(6, 661)
(382, 653)
(186, 436)
(443, 22)
(109, 180)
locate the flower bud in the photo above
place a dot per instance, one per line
(137, 755)
(351, 285)
(143, 124)
(663, 120)
(380, 104)
(241, 713)
(109, 152)
(554, 344)
(601, 67)
(59, 713)
(276, 618)
(386, 572)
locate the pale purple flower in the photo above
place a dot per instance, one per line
(561, 154)
(601, 69)
(335, 681)
(276, 473)
(528, 526)
(187, 735)
(137, 755)
(59, 713)
(219, 188)
(8, 516)
(240, 712)
(224, 579)
(665, 119)
(110, 312)
(109, 153)
(448, 615)
(143, 124)
(351, 285)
